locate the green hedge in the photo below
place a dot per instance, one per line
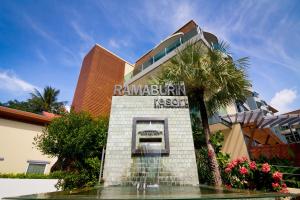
(54, 175)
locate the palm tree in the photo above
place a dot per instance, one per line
(46, 101)
(213, 80)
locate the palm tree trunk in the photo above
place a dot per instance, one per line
(211, 152)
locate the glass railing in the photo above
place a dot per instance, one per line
(171, 47)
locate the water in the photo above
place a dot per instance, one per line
(148, 179)
(163, 192)
(147, 170)
(148, 167)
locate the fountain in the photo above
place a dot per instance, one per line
(150, 155)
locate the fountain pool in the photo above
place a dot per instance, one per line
(162, 192)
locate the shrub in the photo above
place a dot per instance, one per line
(204, 172)
(244, 174)
(53, 175)
(85, 176)
(77, 140)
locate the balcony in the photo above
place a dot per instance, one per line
(163, 49)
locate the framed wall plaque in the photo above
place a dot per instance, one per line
(150, 136)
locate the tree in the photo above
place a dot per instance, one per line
(19, 105)
(39, 102)
(213, 80)
(73, 138)
(46, 101)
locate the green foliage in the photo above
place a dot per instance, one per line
(19, 105)
(292, 183)
(53, 175)
(285, 166)
(46, 101)
(39, 102)
(73, 137)
(86, 176)
(221, 79)
(217, 140)
(274, 160)
(213, 80)
(243, 174)
(198, 134)
(204, 172)
(77, 140)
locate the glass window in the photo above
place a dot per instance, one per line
(34, 168)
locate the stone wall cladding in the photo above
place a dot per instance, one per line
(181, 163)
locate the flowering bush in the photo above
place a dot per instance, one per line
(244, 174)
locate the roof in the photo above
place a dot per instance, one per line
(257, 118)
(294, 112)
(102, 47)
(23, 116)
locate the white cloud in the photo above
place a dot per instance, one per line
(10, 82)
(82, 34)
(283, 99)
(113, 43)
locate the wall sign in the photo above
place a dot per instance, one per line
(171, 103)
(156, 90)
(150, 132)
(150, 90)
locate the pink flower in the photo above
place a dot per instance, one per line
(227, 170)
(230, 165)
(277, 176)
(234, 163)
(228, 186)
(242, 159)
(265, 168)
(243, 170)
(252, 165)
(275, 185)
(284, 188)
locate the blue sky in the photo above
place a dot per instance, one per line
(43, 42)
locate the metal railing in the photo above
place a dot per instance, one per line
(187, 36)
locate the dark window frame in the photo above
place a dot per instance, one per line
(137, 152)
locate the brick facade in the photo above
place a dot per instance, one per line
(100, 71)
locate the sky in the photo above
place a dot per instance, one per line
(44, 42)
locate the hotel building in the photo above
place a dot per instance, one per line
(250, 127)
(241, 122)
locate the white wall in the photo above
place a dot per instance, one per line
(16, 146)
(16, 187)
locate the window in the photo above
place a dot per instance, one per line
(36, 167)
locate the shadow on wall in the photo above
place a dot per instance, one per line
(234, 143)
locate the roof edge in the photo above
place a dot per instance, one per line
(23, 116)
(102, 47)
(149, 51)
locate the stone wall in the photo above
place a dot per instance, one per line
(179, 166)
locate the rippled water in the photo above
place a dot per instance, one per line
(162, 192)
